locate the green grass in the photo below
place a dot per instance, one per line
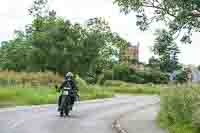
(95, 92)
(182, 128)
(180, 109)
(12, 96)
(18, 95)
(129, 88)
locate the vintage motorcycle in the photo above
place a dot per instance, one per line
(66, 100)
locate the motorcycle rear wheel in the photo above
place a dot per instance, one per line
(67, 112)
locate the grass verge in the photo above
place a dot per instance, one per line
(12, 96)
(180, 109)
(130, 88)
(25, 95)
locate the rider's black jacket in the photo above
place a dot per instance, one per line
(68, 83)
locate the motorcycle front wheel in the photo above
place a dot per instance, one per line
(61, 113)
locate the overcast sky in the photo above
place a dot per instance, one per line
(14, 15)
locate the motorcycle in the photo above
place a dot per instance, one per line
(65, 106)
(66, 101)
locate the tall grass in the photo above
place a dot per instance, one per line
(180, 109)
(9, 78)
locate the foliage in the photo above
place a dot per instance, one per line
(13, 50)
(154, 63)
(167, 50)
(52, 43)
(121, 72)
(182, 77)
(158, 77)
(135, 78)
(108, 75)
(178, 15)
(124, 73)
(198, 67)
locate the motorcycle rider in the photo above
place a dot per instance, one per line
(68, 82)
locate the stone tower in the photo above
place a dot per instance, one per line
(130, 54)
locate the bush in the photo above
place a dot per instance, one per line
(136, 79)
(108, 75)
(182, 77)
(158, 77)
(142, 77)
(121, 72)
(124, 73)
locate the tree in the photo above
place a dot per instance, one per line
(154, 63)
(178, 15)
(52, 43)
(14, 54)
(182, 76)
(167, 50)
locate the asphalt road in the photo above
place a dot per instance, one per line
(87, 117)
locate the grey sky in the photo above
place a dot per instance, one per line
(14, 15)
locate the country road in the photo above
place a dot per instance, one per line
(87, 117)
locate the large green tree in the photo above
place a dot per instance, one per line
(167, 50)
(53, 43)
(178, 15)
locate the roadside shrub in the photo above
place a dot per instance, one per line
(136, 79)
(121, 72)
(108, 75)
(158, 77)
(181, 77)
(143, 77)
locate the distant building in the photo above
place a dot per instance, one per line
(130, 55)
